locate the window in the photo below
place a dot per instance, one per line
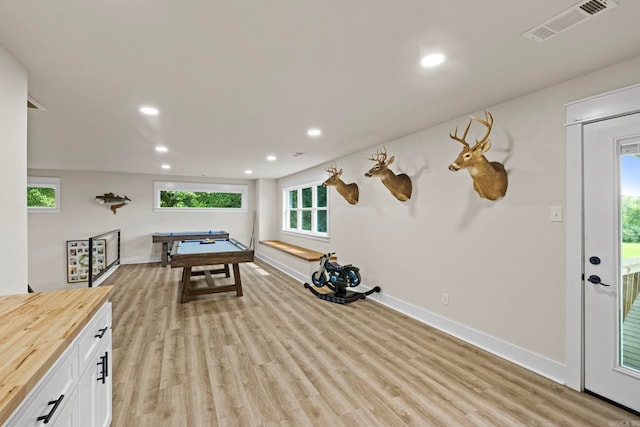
(197, 196)
(306, 209)
(43, 194)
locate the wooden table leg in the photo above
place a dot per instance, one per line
(236, 278)
(186, 282)
(165, 252)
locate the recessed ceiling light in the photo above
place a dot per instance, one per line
(432, 60)
(161, 149)
(248, 171)
(271, 158)
(149, 111)
(166, 166)
(314, 132)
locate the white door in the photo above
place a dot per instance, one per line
(612, 241)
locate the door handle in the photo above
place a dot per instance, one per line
(596, 280)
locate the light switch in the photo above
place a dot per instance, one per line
(555, 213)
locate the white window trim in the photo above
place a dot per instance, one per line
(199, 187)
(45, 182)
(285, 209)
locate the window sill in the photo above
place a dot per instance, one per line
(309, 236)
(43, 210)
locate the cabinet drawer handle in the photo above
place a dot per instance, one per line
(104, 363)
(55, 404)
(101, 332)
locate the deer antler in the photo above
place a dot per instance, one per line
(381, 156)
(464, 136)
(488, 123)
(332, 169)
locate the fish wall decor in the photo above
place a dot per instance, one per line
(114, 202)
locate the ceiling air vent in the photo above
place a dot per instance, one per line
(563, 21)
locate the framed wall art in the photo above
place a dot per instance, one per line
(78, 259)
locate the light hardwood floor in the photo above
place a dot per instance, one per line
(278, 356)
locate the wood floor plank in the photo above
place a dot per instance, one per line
(278, 356)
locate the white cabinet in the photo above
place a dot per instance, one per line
(76, 391)
(53, 398)
(95, 378)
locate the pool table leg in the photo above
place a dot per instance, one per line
(236, 279)
(165, 253)
(186, 281)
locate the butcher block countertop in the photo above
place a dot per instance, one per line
(35, 329)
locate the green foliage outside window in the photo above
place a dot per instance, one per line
(630, 207)
(189, 199)
(293, 199)
(322, 221)
(307, 197)
(306, 220)
(322, 196)
(41, 197)
(306, 209)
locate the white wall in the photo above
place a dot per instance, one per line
(81, 217)
(267, 217)
(13, 177)
(502, 263)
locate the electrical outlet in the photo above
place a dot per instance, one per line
(445, 298)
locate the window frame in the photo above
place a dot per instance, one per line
(203, 187)
(313, 233)
(44, 182)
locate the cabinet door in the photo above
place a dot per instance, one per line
(95, 388)
(103, 391)
(54, 399)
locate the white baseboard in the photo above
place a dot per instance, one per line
(534, 362)
(282, 267)
(542, 365)
(139, 260)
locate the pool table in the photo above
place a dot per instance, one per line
(191, 253)
(174, 236)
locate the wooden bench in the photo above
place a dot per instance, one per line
(296, 251)
(296, 261)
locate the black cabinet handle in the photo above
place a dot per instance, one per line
(55, 403)
(101, 332)
(102, 378)
(104, 364)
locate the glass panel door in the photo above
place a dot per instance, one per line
(611, 220)
(629, 303)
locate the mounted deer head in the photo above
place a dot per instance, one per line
(348, 191)
(399, 185)
(489, 178)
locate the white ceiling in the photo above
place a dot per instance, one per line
(237, 80)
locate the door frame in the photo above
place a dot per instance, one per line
(579, 113)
